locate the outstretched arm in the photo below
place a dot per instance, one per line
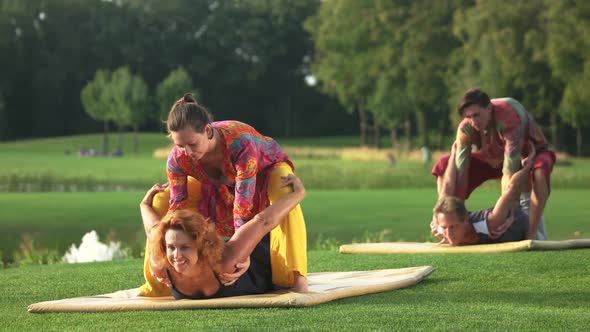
(148, 215)
(499, 219)
(239, 247)
(150, 221)
(446, 187)
(449, 179)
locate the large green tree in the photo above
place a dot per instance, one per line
(389, 101)
(98, 104)
(426, 53)
(174, 86)
(347, 35)
(503, 52)
(130, 101)
(568, 49)
(140, 107)
(387, 58)
(3, 123)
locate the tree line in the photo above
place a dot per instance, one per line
(245, 59)
(393, 67)
(394, 61)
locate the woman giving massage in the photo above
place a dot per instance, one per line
(188, 255)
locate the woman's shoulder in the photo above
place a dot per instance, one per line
(238, 131)
(231, 125)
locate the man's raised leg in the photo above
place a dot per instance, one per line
(539, 196)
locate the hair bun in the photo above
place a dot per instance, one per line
(189, 98)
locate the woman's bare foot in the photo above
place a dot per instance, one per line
(300, 283)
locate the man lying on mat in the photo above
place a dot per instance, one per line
(189, 256)
(504, 222)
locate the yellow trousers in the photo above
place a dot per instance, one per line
(288, 241)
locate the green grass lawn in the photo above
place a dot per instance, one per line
(47, 172)
(57, 220)
(525, 291)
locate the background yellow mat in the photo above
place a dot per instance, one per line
(433, 248)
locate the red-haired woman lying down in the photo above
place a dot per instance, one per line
(189, 256)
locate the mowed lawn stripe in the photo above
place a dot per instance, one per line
(545, 291)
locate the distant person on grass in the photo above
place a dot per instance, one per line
(504, 222)
(501, 129)
(188, 255)
(235, 173)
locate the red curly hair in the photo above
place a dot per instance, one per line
(209, 245)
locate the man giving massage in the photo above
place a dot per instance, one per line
(504, 222)
(188, 255)
(501, 129)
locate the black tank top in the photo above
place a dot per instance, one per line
(256, 280)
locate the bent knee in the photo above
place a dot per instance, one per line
(540, 183)
(160, 202)
(274, 189)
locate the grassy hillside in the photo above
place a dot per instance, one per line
(322, 163)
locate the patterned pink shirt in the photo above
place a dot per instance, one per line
(240, 191)
(502, 143)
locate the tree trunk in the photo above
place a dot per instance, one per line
(135, 139)
(579, 141)
(376, 133)
(554, 130)
(105, 138)
(422, 128)
(363, 124)
(408, 130)
(3, 118)
(441, 134)
(288, 115)
(120, 143)
(393, 137)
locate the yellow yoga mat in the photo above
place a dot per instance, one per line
(323, 287)
(435, 248)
